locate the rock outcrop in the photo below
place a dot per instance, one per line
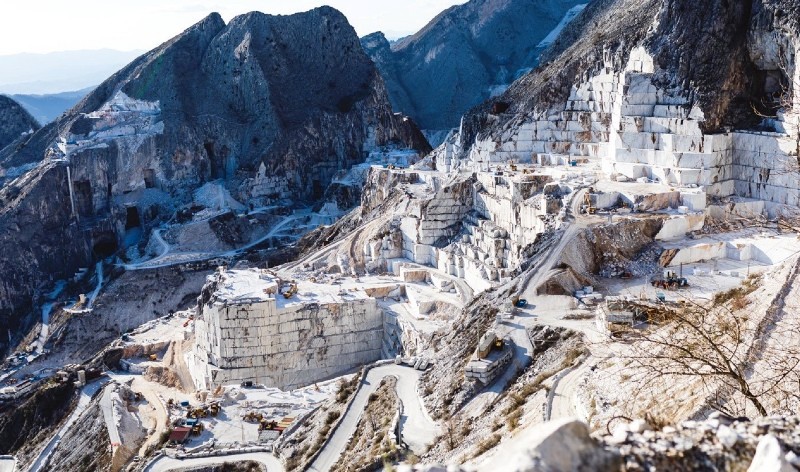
(719, 443)
(274, 106)
(14, 121)
(465, 55)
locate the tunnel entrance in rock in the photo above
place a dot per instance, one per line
(105, 245)
(149, 178)
(132, 219)
(217, 166)
(84, 203)
(317, 191)
(769, 89)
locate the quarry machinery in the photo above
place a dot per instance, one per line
(292, 290)
(670, 281)
(253, 417)
(491, 357)
(587, 202)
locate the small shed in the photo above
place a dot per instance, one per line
(180, 434)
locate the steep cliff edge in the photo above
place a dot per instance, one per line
(273, 106)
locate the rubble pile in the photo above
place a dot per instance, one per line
(719, 443)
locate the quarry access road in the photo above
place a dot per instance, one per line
(417, 429)
(161, 415)
(562, 396)
(561, 401)
(164, 463)
(107, 406)
(167, 258)
(538, 274)
(517, 329)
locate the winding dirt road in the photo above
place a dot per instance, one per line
(417, 429)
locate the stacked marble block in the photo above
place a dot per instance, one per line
(284, 343)
(765, 167)
(479, 256)
(658, 136)
(267, 189)
(432, 222)
(378, 251)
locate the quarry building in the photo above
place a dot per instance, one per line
(252, 326)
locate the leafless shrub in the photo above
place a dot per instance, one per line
(718, 344)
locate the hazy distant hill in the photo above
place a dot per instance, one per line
(59, 71)
(46, 108)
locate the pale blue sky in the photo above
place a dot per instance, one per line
(40, 26)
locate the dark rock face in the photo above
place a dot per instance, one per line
(34, 418)
(14, 121)
(451, 64)
(293, 96)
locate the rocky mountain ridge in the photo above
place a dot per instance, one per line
(463, 56)
(732, 78)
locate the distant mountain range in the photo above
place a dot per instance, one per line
(59, 71)
(47, 107)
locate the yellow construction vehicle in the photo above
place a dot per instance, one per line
(200, 412)
(253, 417)
(587, 201)
(292, 290)
(266, 424)
(153, 357)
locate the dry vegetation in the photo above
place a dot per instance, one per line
(300, 449)
(246, 466)
(373, 444)
(717, 344)
(464, 438)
